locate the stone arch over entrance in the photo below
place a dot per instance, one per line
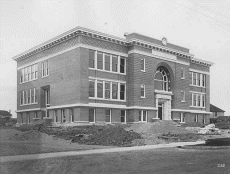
(163, 90)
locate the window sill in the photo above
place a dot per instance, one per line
(182, 122)
(198, 107)
(28, 81)
(198, 86)
(94, 98)
(29, 104)
(107, 71)
(182, 78)
(183, 101)
(45, 76)
(143, 71)
(143, 97)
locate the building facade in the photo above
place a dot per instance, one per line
(84, 76)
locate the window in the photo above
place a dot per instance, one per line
(114, 90)
(47, 97)
(22, 121)
(142, 91)
(198, 100)
(204, 119)
(36, 71)
(107, 62)
(107, 90)
(196, 117)
(183, 96)
(21, 97)
(123, 116)
(143, 65)
(91, 58)
(198, 79)
(36, 93)
(91, 88)
(28, 117)
(99, 89)
(182, 117)
(122, 65)
(63, 119)
(194, 78)
(142, 116)
(99, 60)
(45, 69)
(35, 114)
(108, 116)
(203, 100)
(29, 73)
(28, 97)
(161, 79)
(122, 91)
(92, 115)
(182, 73)
(204, 80)
(22, 75)
(25, 74)
(55, 116)
(114, 63)
(71, 115)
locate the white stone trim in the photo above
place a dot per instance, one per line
(162, 47)
(199, 71)
(157, 57)
(101, 105)
(104, 79)
(197, 92)
(27, 110)
(191, 111)
(72, 48)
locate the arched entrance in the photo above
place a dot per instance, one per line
(163, 93)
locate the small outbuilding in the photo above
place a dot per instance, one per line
(216, 112)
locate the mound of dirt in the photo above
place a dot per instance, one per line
(159, 127)
(107, 135)
(31, 135)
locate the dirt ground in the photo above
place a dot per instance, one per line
(14, 142)
(157, 161)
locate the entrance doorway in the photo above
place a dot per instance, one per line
(160, 111)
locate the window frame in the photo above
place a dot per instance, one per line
(141, 116)
(143, 90)
(143, 65)
(45, 68)
(110, 116)
(182, 73)
(94, 115)
(200, 100)
(182, 117)
(123, 116)
(182, 96)
(196, 118)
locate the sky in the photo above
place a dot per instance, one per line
(203, 26)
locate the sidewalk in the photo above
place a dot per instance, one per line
(96, 151)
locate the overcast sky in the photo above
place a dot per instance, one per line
(203, 26)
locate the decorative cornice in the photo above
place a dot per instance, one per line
(109, 38)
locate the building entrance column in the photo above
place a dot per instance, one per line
(163, 105)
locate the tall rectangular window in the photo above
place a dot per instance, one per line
(28, 96)
(91, 88)
(183, 96)
(21, 97)
(108, 116)
(114, 63)
(204, 80)
(107, 62)
(123, 116)
(32, 72)
(122, 65)
(22, 75)
(36, 94)
(142, 91)
(114, 90)
(99, 89)
(107, 90)
(194, 78)
(203, 100)
(142, 64)
(198, 79)
(25, 74)
(199, 100)
(194, 99)
(29, 73)
(91, 58)
(182, 117)
(92, 115)
(196, 117)
(142, 116)
(36, 71)
(32, 95)
(99, 60)
(45, 68)
(182, 73)
(25, 96)
(122, 91)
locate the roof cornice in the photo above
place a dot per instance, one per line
(106, 37)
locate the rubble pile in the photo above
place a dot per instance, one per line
(210, 130)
